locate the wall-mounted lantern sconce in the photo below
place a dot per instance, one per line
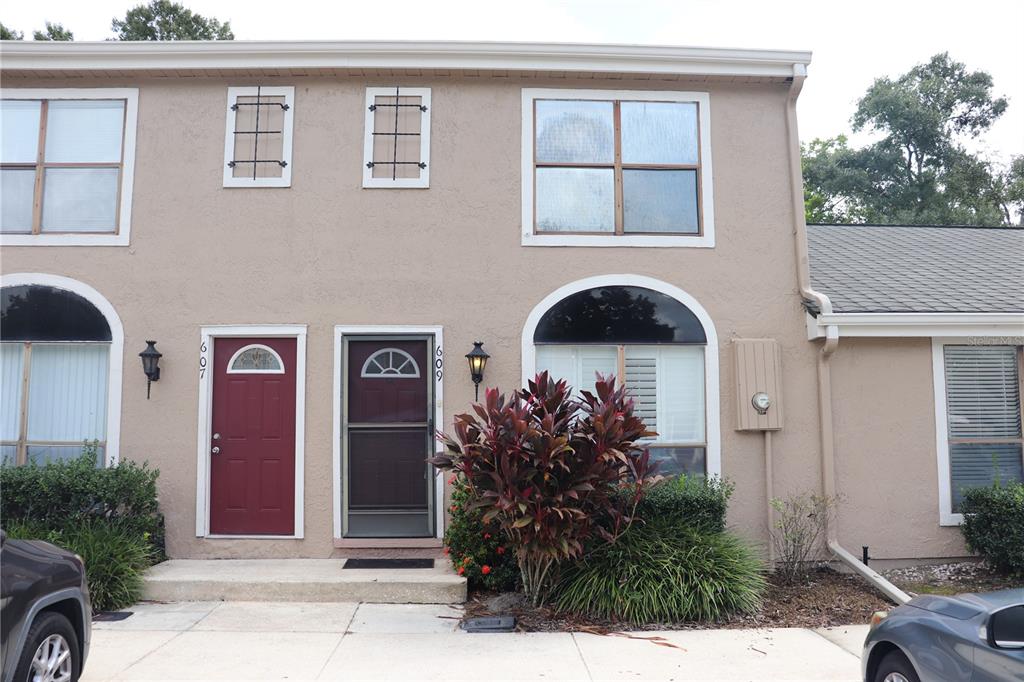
(151, 364)
(477, 362)
(761, 402)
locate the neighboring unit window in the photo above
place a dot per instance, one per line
(62, 165)
(983, 412)
(390, 363)
(256, 359)
(54, 364)
(652, 341)
(396, 152)
(258, 143)
(616, 167)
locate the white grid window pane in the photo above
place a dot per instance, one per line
(11, 358)
(19, 130)
(576, 199)
(982, 392)
(659, 132)
(67, 395)
(17, 190)
(84, 131)
(575, 132)
(80, 199)
(578, 365)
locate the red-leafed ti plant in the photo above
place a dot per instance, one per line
(546, 468)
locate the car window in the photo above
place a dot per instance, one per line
(1008, 627)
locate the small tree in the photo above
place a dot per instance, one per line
(546, 468)
(10, 34)
(166, 20)
(53, 32)
(799, 532)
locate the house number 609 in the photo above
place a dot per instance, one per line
(438, 363)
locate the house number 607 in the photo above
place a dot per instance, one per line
(202, 360)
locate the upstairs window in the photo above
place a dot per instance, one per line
(258, 141)
(618, 169)
(66, 165)
(396, 151)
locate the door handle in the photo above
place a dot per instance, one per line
(215, 450)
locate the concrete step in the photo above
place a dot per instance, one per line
(300, 580)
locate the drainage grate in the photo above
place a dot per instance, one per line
(107, 616)
(490, 624)
(389, 563)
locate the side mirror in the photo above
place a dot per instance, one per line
(1006, 628)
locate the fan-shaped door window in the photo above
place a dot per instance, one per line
(390, 363)
(256, 359)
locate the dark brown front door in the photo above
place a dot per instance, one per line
(388, 432)
(252, 444)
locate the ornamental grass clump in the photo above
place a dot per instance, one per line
(547, 470)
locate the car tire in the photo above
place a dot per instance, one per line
(896, 667)
(55, 631)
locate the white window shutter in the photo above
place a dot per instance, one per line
(982, 392)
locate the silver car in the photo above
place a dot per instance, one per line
(970, 637)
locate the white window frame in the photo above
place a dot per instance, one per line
(280, 363)
(393, 375)
(703, 102)
(946, 515)
(422, 182)
(712, 424)
(131, 114)
(208, 336)
(286, 91)
(114, 365)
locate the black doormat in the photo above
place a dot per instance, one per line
(389, 563)
(106, 616)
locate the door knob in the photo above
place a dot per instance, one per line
(216, 436)
(216, 450)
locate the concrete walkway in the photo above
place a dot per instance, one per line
(346, 641)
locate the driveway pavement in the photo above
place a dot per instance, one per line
(338, 641)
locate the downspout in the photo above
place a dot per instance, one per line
(803, 269)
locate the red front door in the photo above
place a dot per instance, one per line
(252, 445)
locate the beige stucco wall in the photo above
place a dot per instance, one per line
(886, 466)
(327, 252)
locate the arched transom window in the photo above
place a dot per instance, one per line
(255, 359)
(54, 373)
(654, 344)
(390, 363)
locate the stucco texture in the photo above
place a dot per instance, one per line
(327, 252)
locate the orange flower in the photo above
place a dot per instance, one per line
(446, 550)
(485, 569)
(461, 570)
(455, 508)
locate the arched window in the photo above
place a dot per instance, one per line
(55, 364)
(256, 359)
(652, 342)
(390, 363)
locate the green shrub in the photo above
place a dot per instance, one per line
(58, 493)
(115, 556)
(478, 551)
(664, 572)
(994, 525)
(695, 501)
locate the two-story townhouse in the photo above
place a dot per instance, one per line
(313, 235)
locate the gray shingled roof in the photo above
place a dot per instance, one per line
(909, 269)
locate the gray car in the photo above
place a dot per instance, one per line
(970, 637)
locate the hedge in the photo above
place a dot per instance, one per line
(994, 525)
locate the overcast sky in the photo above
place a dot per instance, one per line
(854, 41)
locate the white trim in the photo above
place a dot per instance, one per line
(280, 363)
(340, 331)
(711, 369)
(288, 92)
(373, 54)
(124, 220)
(384, 374)
(207, 337)
(423, 181)
(917, 324)
(112, 454)
(706, 183)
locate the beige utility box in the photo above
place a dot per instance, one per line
(758, 371)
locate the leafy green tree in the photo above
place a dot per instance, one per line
(166, 20)
(10, 34)
(53, 32)
(919, 171)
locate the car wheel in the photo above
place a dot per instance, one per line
(896, 667)
(51, 651)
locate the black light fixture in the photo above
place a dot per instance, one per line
(151, 364)
(477, 362)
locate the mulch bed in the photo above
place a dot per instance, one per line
(825, 599)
